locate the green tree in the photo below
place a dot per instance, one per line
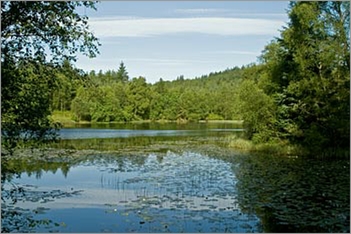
(25, 110)
(308, 74)
(27, 28)
(82, 104)
(67, 79)
(61, 99)
(122, 74)
(138, 93)
(108, 105)
(28, 31)
(258, 112)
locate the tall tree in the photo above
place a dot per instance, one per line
(122, 74)
(138, 93)
(28, 31)
(308, 73)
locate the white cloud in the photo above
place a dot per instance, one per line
(270, 15)
(227, 12)
(146, 27)
(105, 63)
(158, 61)
(168, 60)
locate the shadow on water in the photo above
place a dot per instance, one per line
(296, 195)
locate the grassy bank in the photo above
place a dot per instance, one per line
(63, 117)
(284, 148)
(66, 118)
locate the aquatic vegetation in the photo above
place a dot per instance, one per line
(14, 218)
(296, 195)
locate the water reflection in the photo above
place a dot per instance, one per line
(157, 126)
(115, 130)
(76, 133)
(162, 192)
(36, 167)
(146, 143)
(288, 195)
(171, 183)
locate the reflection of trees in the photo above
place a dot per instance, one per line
(296, 195)
(36, 166)
(140, 142)
(10, 167)
(15, 219)
(106, 144)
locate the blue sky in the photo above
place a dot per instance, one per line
(172, 38)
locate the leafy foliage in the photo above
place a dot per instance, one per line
(306, 72)
(25, 109)
(28, 28)
(184, 99)
(28, 31)
(258, 112)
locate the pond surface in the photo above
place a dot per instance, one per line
(174, 192)
(168, 178)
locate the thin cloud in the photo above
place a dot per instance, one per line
(114, 18)
(173, 62)
(261, 15)
(148, 27)
(227, 13)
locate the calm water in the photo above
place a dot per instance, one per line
(169, 178)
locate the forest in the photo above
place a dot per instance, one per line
(298, 92)
(113, 96)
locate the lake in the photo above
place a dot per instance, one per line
(153, 177)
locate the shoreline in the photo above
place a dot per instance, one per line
(72, 122)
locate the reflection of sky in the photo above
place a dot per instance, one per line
(189, 174)
(188, 182)
(80, 133)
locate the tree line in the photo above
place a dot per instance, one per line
(113, 96)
